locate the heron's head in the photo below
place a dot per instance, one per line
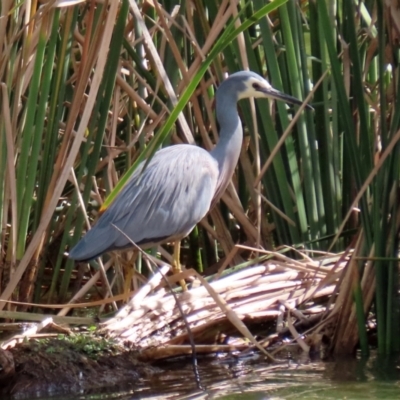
(251, 84)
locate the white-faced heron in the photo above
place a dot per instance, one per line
(175, 191)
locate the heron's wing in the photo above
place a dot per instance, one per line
(165, 201)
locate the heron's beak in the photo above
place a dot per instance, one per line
(277, 95)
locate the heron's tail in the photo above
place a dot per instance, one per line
(91, 246)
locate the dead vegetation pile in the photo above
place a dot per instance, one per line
(282, 292)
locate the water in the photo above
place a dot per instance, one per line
(350, 379)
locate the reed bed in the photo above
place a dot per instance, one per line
(254, 294)
(91, 88)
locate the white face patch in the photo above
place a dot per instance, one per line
(251, 91)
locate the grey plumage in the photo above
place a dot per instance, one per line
(158, 210)
(164, 202)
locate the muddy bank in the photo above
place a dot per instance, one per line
(59, 366)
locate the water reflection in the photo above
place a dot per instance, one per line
(351, 379)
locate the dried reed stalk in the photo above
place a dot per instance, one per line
(252, 293)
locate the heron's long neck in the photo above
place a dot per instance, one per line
(227, 151)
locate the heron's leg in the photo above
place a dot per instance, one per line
(129, 273)
(176, 265)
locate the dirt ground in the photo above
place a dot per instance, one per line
(58, 366)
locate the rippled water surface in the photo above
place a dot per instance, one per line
(373, 378)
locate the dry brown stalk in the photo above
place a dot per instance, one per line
(159, 353)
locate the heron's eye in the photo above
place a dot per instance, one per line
(256, 86)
